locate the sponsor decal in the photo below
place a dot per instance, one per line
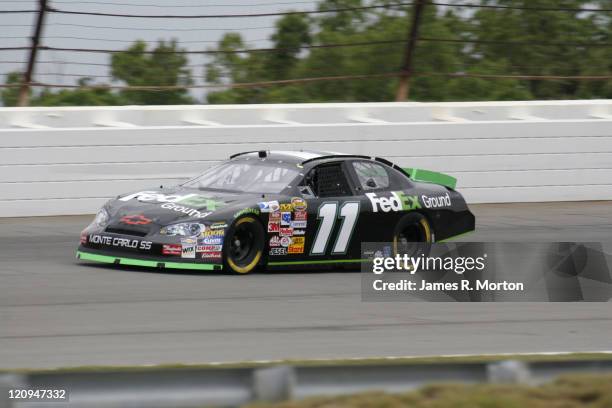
(83, 237)
(295, 249)
(298, 224)
(285, 218)
(273, 226)
(209, 248)
(210, 241)
(245, 211)
(298, 232)
(298, 241)
(275, 216)
(300, 215)
(211, 237)
(436, 201)
(218, 225)
(155, 197)
(171, 249)
(398, 201)
(188, 247)
(200, 201)
(297, 245)
(138, 219)
(268, 206)
(192, 212)
(275, 241)
(193, 200)
(285, 241)
(211, 255)
(213, 233)
(120, 242)
(278, 251)
(285, 232)
(287, 207)
(298, 203)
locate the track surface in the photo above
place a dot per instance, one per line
(55, 311)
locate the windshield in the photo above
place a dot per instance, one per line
(244, 176)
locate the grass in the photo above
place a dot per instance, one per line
(584, 391)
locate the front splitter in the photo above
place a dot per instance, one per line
(117, 260)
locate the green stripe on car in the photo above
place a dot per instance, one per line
(317, 262)
(141, 262)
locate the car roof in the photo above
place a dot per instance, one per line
(295, 156)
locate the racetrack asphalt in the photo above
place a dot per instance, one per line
(56, 311)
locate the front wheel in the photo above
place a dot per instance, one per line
(244, 245)
(412, 236)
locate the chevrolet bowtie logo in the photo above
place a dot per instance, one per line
(135, 220)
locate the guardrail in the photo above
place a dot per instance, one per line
(196, 387)
(56, 161)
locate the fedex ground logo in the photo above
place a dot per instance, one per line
(398, 201)
(194, 200)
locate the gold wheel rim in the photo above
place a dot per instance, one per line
(249, 267)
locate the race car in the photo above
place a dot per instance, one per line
(268, 209)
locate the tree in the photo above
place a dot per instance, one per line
(164, 65)
(546, 45)
(10, 95)
(292, 32)
(83, 96)
(456, 46)
(346, 21)
(496, 42)
(384, 55)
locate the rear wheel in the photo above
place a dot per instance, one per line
(412, 236)
(244, 245)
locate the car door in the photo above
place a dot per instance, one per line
(334, 213)
(375, 184)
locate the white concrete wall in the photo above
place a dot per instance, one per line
(70, 160)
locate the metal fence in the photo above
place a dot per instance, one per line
(196, 387)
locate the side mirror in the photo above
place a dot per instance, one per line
(371, 183)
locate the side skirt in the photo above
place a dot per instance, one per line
(85, 256)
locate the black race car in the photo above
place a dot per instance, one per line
(277, 209)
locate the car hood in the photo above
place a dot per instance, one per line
(164, 206)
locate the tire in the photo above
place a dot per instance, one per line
(244, 245)
(412, 236)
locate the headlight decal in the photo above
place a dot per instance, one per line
(102, 217)
(184, 229)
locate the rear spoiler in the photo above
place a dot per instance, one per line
(429, 176)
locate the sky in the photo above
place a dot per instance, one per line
(76, 31)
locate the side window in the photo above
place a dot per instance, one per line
(328, 180)
(371, 176)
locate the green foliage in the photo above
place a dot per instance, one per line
(134, 67)
(536, 55)
(97, 96)
(577, 391)
(547, 43)
(9, 96)
(292, 32)
(163, 67)
(432, 59)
